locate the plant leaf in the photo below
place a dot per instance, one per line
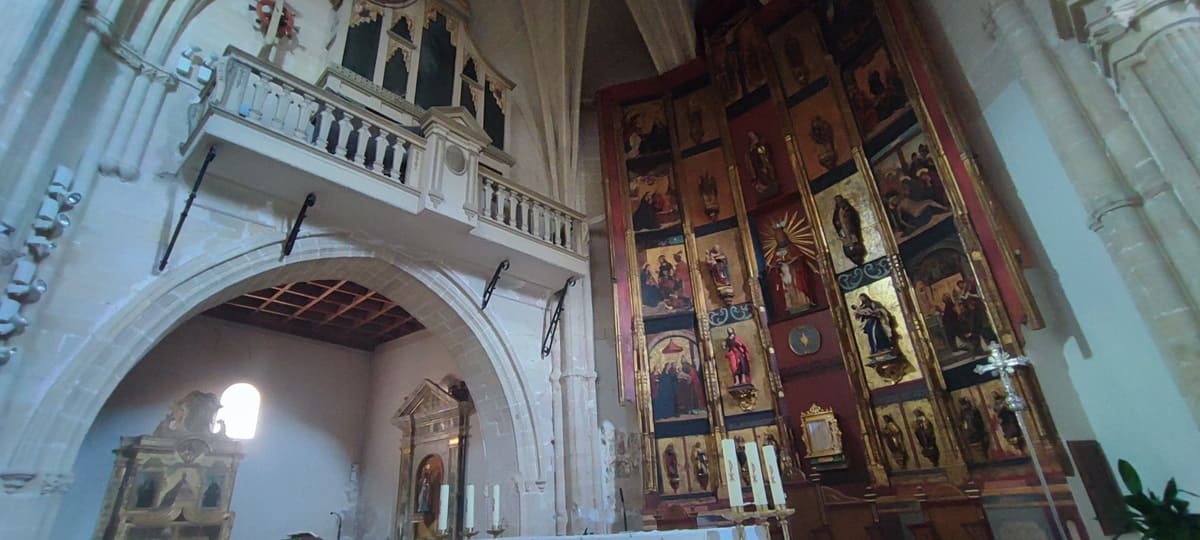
(1171, 491)
(1130, 476)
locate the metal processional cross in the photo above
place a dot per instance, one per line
(1004, 365)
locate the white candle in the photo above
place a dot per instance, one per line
(733, 480)
(469, 512)
(773, 477)
(754, 466)
(444, 508)
(495, 506)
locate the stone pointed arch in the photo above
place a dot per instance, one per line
(51, 439)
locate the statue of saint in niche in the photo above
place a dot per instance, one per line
(762, 171)
(894, 440)
(821, 132)
(923, 430)
(794, 50)
(671, 467)
(849, 230)
(427, 487)
(718, 269)
(700, 465)
(738, 355)
(695, 116)
(709, 196)
(877, 325)
(972, 424)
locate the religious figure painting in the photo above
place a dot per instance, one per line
(911, 187)
(798, 52)
(987, 423)
(949, 300)
(875, 91)
(709, 197)
(789, 250)
(672, 456)
(741, 362)
(427, 489)
(644, 129)
(884, 344)
(927, 436)
(754, 60)
(698, 117)
(703, 463)
(723, 270)
(676, 382)
(972, 424)
(821, 136)
(727, 68)
(893, 433)
(769, 436)
(849, 223)
(653, 197)
(664, 277)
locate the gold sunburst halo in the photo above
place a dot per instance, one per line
(789, 231)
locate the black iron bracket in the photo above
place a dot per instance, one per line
(309, 202)
(491, 286)
(212, 154)
(548, 339)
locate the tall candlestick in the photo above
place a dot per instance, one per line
(733, 480)
(774, 479)
(469, 511)
(754, 466)
(495, 506)
(444, 508)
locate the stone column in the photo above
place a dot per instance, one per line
(581, 421)
(1115, 210)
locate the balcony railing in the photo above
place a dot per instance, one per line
(269, 98)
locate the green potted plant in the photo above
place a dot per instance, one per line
(1165, 518)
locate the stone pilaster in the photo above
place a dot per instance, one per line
(1114, 208)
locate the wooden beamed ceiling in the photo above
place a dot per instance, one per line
(335, 311)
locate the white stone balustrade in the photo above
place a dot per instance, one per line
(532, 215)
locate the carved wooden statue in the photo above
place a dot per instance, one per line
(174, 484)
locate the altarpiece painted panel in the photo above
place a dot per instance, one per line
(434, 424)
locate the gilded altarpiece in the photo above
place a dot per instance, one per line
(176, 483)
(434, 424)
(803, 228)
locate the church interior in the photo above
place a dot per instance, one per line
(673, 269)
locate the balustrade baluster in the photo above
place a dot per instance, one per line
(276, 105)
(485, 196)
(257, 100)
(344, 127)
(360, 143)
(381, 144)
(324, 124)
(237, 100)
(304, 111)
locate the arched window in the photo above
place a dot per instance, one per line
(239, 410)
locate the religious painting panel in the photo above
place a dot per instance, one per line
(884, 341)
(709, 196)
(762, 157)
(702, 460)
(741, 366)
(1006, 431)
(799, 54)
(755, 57)
(740, 438)
(723, 269)
(644, 129)
(821, 134)
(849, 223)
(676, 382)
(727, 68)
(846, 22)
(426, 490)
(973, 423)
(987, 423)
(894, 434)
(653, 195)
(927, 437)
(769, 436)
(672, 466)
(911, 186)
(948, 296)
(698, 117)
(788, 245)
(664, 277)
(875, 91)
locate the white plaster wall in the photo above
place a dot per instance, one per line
(1129, 398)
(309, 432)
(397, 369)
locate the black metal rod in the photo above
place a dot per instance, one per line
(339, 519)
(491, 286)
(212, 154)
(309, 201)
(624, 515)
(548, 339)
